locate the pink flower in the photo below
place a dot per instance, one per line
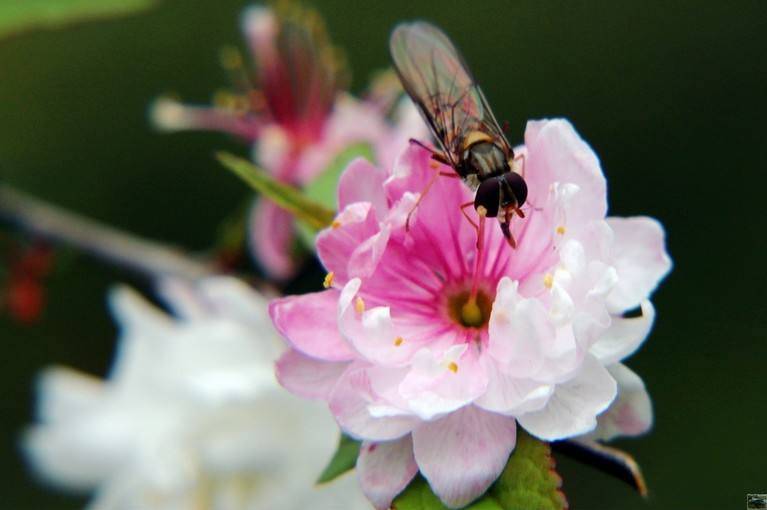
(295, 115)
(431, 380)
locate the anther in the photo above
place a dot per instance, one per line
(328, 282)
(359, 305)
(398, 341)
(548, 280)
(336, 224)
(561, 230)
(453, 367)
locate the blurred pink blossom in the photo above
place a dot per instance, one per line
(431, 355)
(295, 114)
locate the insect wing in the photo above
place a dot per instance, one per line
(438, 81)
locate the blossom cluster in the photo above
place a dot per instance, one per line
(433, 343)
(296, 116)
(190, 415)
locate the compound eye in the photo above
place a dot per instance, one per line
(518, 186)
(489, 196)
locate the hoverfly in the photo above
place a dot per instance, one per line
(437, 79)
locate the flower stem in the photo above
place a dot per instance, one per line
(150, 258)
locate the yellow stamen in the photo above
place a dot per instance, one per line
(335, 224)
(398, 341)
(548, 280)
(481, 210)
(453, 367)
(433, 164)
(561, 230)
(359, 305)
(471, 313)
(328, 282)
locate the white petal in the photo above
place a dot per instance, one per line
(385, 469)
(631, 412)
(307, 376)
(463, 453)
(574, 406)
(511, 396)
(350, 403)
(640, 257)
(518, 330)
(64, 393)
(624, 336)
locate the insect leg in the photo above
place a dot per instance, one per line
(468, 218)
(422, 145)
(434, 154)
(420, 197)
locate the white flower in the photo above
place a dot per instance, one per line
(190, 416)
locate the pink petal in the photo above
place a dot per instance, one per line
(574, 406)
(385, 469)
(640, 257)
(408, 174)
(373, 333)
(409, 125)
(271, 233)
(307, 376)
(260, 27)
(362, 182)
(170, 115)
(309, 322)
(354, 245)
(556, 153)
(463, 453)
(631, 412)
(624, 336)
(350, 403)
(365, 258)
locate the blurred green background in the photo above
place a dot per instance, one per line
(671, 95)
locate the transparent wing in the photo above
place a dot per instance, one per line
(438, 81)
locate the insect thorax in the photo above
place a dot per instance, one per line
(484, 159)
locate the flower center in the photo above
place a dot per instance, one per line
(468, 311)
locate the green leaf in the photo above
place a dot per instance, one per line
(314, 215)
(418, 496)
(528, 482)
(20, 15)
(343, 460)
(324, 188)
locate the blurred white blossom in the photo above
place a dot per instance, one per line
(190, 416)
